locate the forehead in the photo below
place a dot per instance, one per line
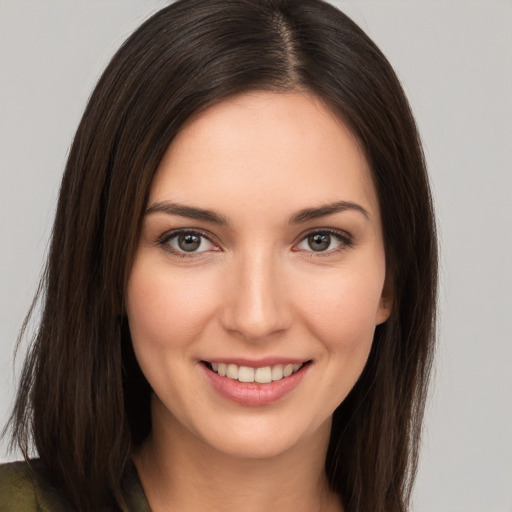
(265, 147)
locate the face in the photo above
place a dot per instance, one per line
(259, 276)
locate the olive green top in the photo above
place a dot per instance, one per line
(24, 488)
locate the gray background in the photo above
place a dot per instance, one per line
(455, 61)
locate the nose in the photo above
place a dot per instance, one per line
(256, 305)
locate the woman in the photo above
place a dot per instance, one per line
(239, 300)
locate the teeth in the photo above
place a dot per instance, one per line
(277, 372)
(245, 374)
(232, 371)
(287, 370)
(262, 375)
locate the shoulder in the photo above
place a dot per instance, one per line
(17, 488)
(24, 488)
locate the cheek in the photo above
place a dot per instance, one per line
(166, 311)
(341, 310)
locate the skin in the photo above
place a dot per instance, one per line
(255, 289)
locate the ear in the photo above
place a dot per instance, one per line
(386, 301)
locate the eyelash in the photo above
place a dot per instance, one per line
(164, 240)
(345, 239)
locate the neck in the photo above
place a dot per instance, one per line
(181, 473)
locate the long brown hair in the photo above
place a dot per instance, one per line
(82, 399)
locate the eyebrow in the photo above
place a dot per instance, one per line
(301, 216)
(189, 212)
(328, 209)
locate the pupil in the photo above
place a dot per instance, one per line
(189, 242)
(319, 242)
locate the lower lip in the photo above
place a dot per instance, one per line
(252, 393)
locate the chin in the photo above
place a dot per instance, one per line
(261, 440)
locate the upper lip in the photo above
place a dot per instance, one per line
(257, 363)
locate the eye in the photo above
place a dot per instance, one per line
(324, 241)
(183, 242)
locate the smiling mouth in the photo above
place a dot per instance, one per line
(246, 374)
